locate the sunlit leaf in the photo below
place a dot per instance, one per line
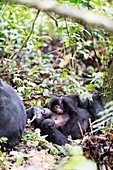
(90, 86)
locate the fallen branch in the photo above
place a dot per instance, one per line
(69, 11)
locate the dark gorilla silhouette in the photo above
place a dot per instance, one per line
(75, 113)
(69, 116)
(55, 105)
(78, 117)
(12, 115)
(42, 118)
(95, 106)
(54, 135)
(37, 114)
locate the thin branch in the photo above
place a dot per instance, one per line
(68, 11)
(23, 45)
(56, 23)
(67, 27)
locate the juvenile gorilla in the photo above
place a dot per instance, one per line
(75, 113)
(37, 114)
(65, 115)
(95, 106)
(54, 135)
(41, 118)
(12, 115)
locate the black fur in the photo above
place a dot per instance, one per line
(95, 106)
(12, 115)
(73, 120)
(78, 116)
(39, 113)
(54, 136)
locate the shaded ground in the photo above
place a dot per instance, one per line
(36, 153)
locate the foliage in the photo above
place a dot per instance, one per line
(76, 38)
(3, 140)
(19, 156)
(34, 139)
(40, 71)
(77, 161)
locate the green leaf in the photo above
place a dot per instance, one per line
(3, 139)
(98, 55)
(19, 156)
(7, 13)
(45, 92)
(47, 100)
(67, 42)
(45, 38)
(96, 2)
(59, 30)
(62, 63)
(90, 86)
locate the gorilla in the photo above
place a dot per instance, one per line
(12, 116)
(43, 118)
(54, 135)
(95, 106)
(68, 115)
(71, 114)
(37, 114)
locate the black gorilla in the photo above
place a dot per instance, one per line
(95, 106)
(42, 118)
(12, 115)
(69, 116)
(37, 114)
(77, 113)
(55, 105)
(77, 116)
(54, 135)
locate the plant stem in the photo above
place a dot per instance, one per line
(14, 56)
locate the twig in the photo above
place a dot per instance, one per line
(69, 40)
(55, 51)
(57, 59)
(15, 56)
(91, 126)
(84, 127)
(67, 28)
(52, 18)
(80, 129)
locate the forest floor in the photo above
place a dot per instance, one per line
(34, 152)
